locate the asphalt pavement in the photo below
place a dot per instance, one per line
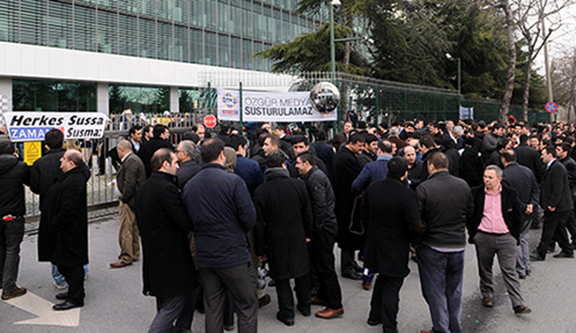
(115, 302)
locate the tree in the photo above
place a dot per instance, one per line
(564, 78)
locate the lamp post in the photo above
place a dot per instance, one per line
(332, 41)
(449, 57)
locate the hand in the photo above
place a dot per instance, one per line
(307, 240)
(529, 209)
(551, 208)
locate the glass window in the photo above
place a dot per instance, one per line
(285, 27)
(128, 5)
(277, 27)
(247, 54)
(258, 61)
(9, 20)
(147, 38)
(223, 19)
(181, 8)
(147, 7)
(60, 25)
(210, 14)
(235, 18)
(139, 99)
(108, 3)
(84, 29)
(164, 10)
(258, 22)
(128, 35)
(189, 99)
(247, 19)
(236, 51)
(196, 46)
(33, 22)
(210, 49)
(223, 51)
(197, 16)
(269, 27)
(181, 44)
(164, 41)
(107, 38)
(39, 95)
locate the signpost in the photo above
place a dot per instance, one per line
(32, 151)
(210, 121)
(551, 107)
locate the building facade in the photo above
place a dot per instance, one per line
(104, 55)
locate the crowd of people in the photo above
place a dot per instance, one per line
(218, 215)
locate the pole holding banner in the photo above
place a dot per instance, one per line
(241, 120)
(209, 98)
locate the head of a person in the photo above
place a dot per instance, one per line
(548, 154)
(385, 147)
(508, 156)
(504, 144)
(410, 155)
(397, 168)
(276, 159)
(6, 147)
(434, 128)
(356, 143)
(534, 142)
(54, 138)
(185, 151)
(267, 127)
(563, 150)
(498, 129)
(71, 159)
(457, 131)
(300, 144)
(161, 132)
(200, 130)
(449, 125)
(135, 133)
(492, 177)
(348, 126)
(231, 159)
(437, 162)
(371, 143)
(305, 162)
(271, 143)
(212, 151)
(238, 143)
(123, 148)
(409, 127)
(148, 132)
(321, 136)
(164, 160)
(280, 131)
(426, 143)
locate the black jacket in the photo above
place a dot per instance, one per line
(415, 172)
(45, 172)
(366, 158)
(148, 148)
(570, 166)
(163, 223)
(13, 175)
(284, 223)
(222, 212)
(65, 216)
(325, 152)
(512, 211)
(472, 166)
(187, 170)
(451, 164)
(555, 189)
(322, 200)
(521, 179)
(294, 173)
(530, 158)
(391, 210)
(445, 202)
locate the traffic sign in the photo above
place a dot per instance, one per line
(551, 107)
(210, 121)
(32, 151)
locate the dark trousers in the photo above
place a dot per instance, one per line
(554, 228)
(286, 300)
(184, 321)
(11, 234)
(75, 278)
(323, 258)
(384, 302)
(441, 280)
(347, 262)
(571, 226)
(241, 282)
(168, 310)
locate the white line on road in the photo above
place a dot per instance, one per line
(43, 309)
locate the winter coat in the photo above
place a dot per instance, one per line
(187, 170)
(249, 170)
(45, 172)
(163, 223)
(147, 150)
(130, 176)
(65, 220)
(13, 175)
(322, 200)
(284, 223)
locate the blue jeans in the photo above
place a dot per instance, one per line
(441, 280)
(59, 278)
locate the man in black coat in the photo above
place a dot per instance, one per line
(13, 175)
(556, 200)
(301, 145)
(324, 232)
(65, 212)
(160, 140)
(325, 152)
(369, 152)
(189, 167)
(283, 229)
(391, 210)
(563, 152)
(530, 158)
(168, 269)
(494, 228)
(346, 169)
(471, 164)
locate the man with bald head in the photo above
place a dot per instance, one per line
(64, 211)
(131, 175)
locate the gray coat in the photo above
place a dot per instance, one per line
(130, 176)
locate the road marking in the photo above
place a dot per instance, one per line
(43, 309)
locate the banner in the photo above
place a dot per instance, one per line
(466, 113)
(269, 106)
(32, 126)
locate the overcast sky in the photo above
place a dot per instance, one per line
(563, 41)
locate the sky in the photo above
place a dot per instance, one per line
(563, 40)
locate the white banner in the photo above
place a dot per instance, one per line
(269, 106)
(32, 126)
(466, 113)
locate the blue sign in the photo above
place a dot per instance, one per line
(28, 133)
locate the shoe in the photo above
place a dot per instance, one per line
(330, 313)
(317, 301)
(66, 306)
(286, 321)
(60, 286)
(62, 296)
(487, 302)
(353, 275)
(528, 271)
(14, 293)
(551, 249)
(573, 247)
(229, 328)
(305, 312)
(521, 309)
(120, 264)
(414, 258)
(564, 255)
(263, 301)
(374, 322)
(425, 331)
(366, 285)
(535, 226)
(522, 276)
(272, 283)
(535, 256)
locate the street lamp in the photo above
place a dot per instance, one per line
(449, 57)
(332, 41)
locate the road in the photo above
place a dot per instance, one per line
(115, 302)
